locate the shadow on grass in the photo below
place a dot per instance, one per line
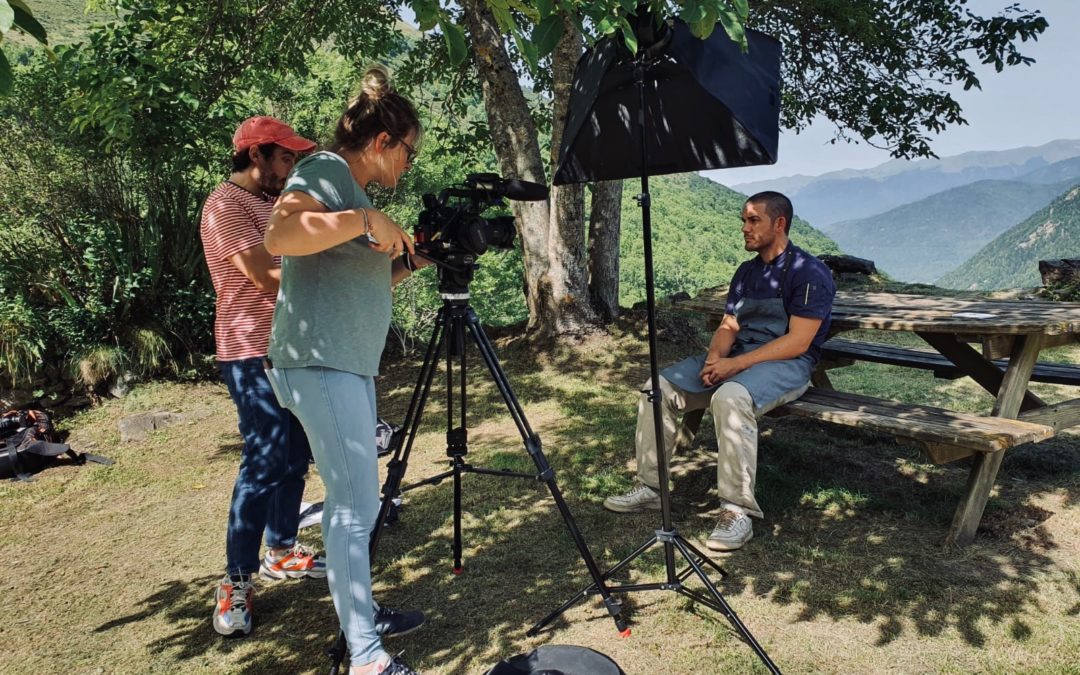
(859, 524)
(853, 528)
(860, 519)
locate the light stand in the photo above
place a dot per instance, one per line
(667, 536)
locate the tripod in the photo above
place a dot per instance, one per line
(456, 321)
(666, 536)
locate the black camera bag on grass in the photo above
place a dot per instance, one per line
(29, 444)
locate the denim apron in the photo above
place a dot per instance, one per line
(760, 321)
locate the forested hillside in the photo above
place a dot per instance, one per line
(697, 242)
(1012, 260)
(920, 241)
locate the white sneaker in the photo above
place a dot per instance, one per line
(641, 498)
(232, 606)
(731, 532)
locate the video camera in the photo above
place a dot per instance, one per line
(452, 232)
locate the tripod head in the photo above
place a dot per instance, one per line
(455, 269)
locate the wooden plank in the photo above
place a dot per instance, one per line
(984, 470)
(1058, 416)
(896, 311)
(839, 352)
(820, 379)
(996, 347)
(941, 453)
(687, 430)
(979, 369)
(922, 423)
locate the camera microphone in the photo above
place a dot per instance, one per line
(524, 191)
(511, 188)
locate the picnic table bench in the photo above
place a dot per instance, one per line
(1016, 329)
(838, 352)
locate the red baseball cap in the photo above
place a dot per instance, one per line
(262, 129)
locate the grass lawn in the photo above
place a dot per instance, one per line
(112, 569)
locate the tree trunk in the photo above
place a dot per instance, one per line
(553, 231)
(566, 234)
(518, 150)
(605, 220)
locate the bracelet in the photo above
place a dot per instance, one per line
(367, 223)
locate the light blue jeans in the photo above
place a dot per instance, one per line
(337, 410)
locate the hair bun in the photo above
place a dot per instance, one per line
(375, 84)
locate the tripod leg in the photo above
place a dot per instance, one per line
(399, 462)
(337, 653)
(546, 473)
(458, 566)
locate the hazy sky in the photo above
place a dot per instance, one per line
(1023, 105)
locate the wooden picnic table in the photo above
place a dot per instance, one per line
(1016, 330)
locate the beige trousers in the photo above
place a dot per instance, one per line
(735, 418)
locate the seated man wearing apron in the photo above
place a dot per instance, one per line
(761, 356)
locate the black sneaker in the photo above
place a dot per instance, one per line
(392, 623)
(397, 667)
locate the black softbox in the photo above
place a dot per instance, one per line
(708, 105)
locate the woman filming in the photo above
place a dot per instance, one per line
(340, 259)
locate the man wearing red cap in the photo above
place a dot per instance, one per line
(270, 483)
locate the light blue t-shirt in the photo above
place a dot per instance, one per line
(333, 309)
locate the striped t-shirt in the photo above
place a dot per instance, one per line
(234, 220)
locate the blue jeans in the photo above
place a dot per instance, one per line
(270, 483)
(338, 411)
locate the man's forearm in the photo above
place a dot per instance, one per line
(722, 341)
(785, 347)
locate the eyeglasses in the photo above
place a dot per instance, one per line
(410, 151)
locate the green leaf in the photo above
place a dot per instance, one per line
(504, 18)
(532, 13)
(546, 34)
(705, 27)
(527, 49)
(629, 37)
(455, 41)
(742, 8)
(545, 8)
(427, 14)
(28, 23)
(733, 26)
(607, 26)
(7, 16)
(6, 78)
(693, 12)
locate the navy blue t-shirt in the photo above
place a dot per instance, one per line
(808, 291)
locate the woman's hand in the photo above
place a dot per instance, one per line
(419, 262)
(720, 369)
(388, 236)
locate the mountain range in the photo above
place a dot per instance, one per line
(921, 241)
(1011, 260)
(852, 194)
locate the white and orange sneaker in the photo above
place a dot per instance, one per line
(232, 609)
(299, 561)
